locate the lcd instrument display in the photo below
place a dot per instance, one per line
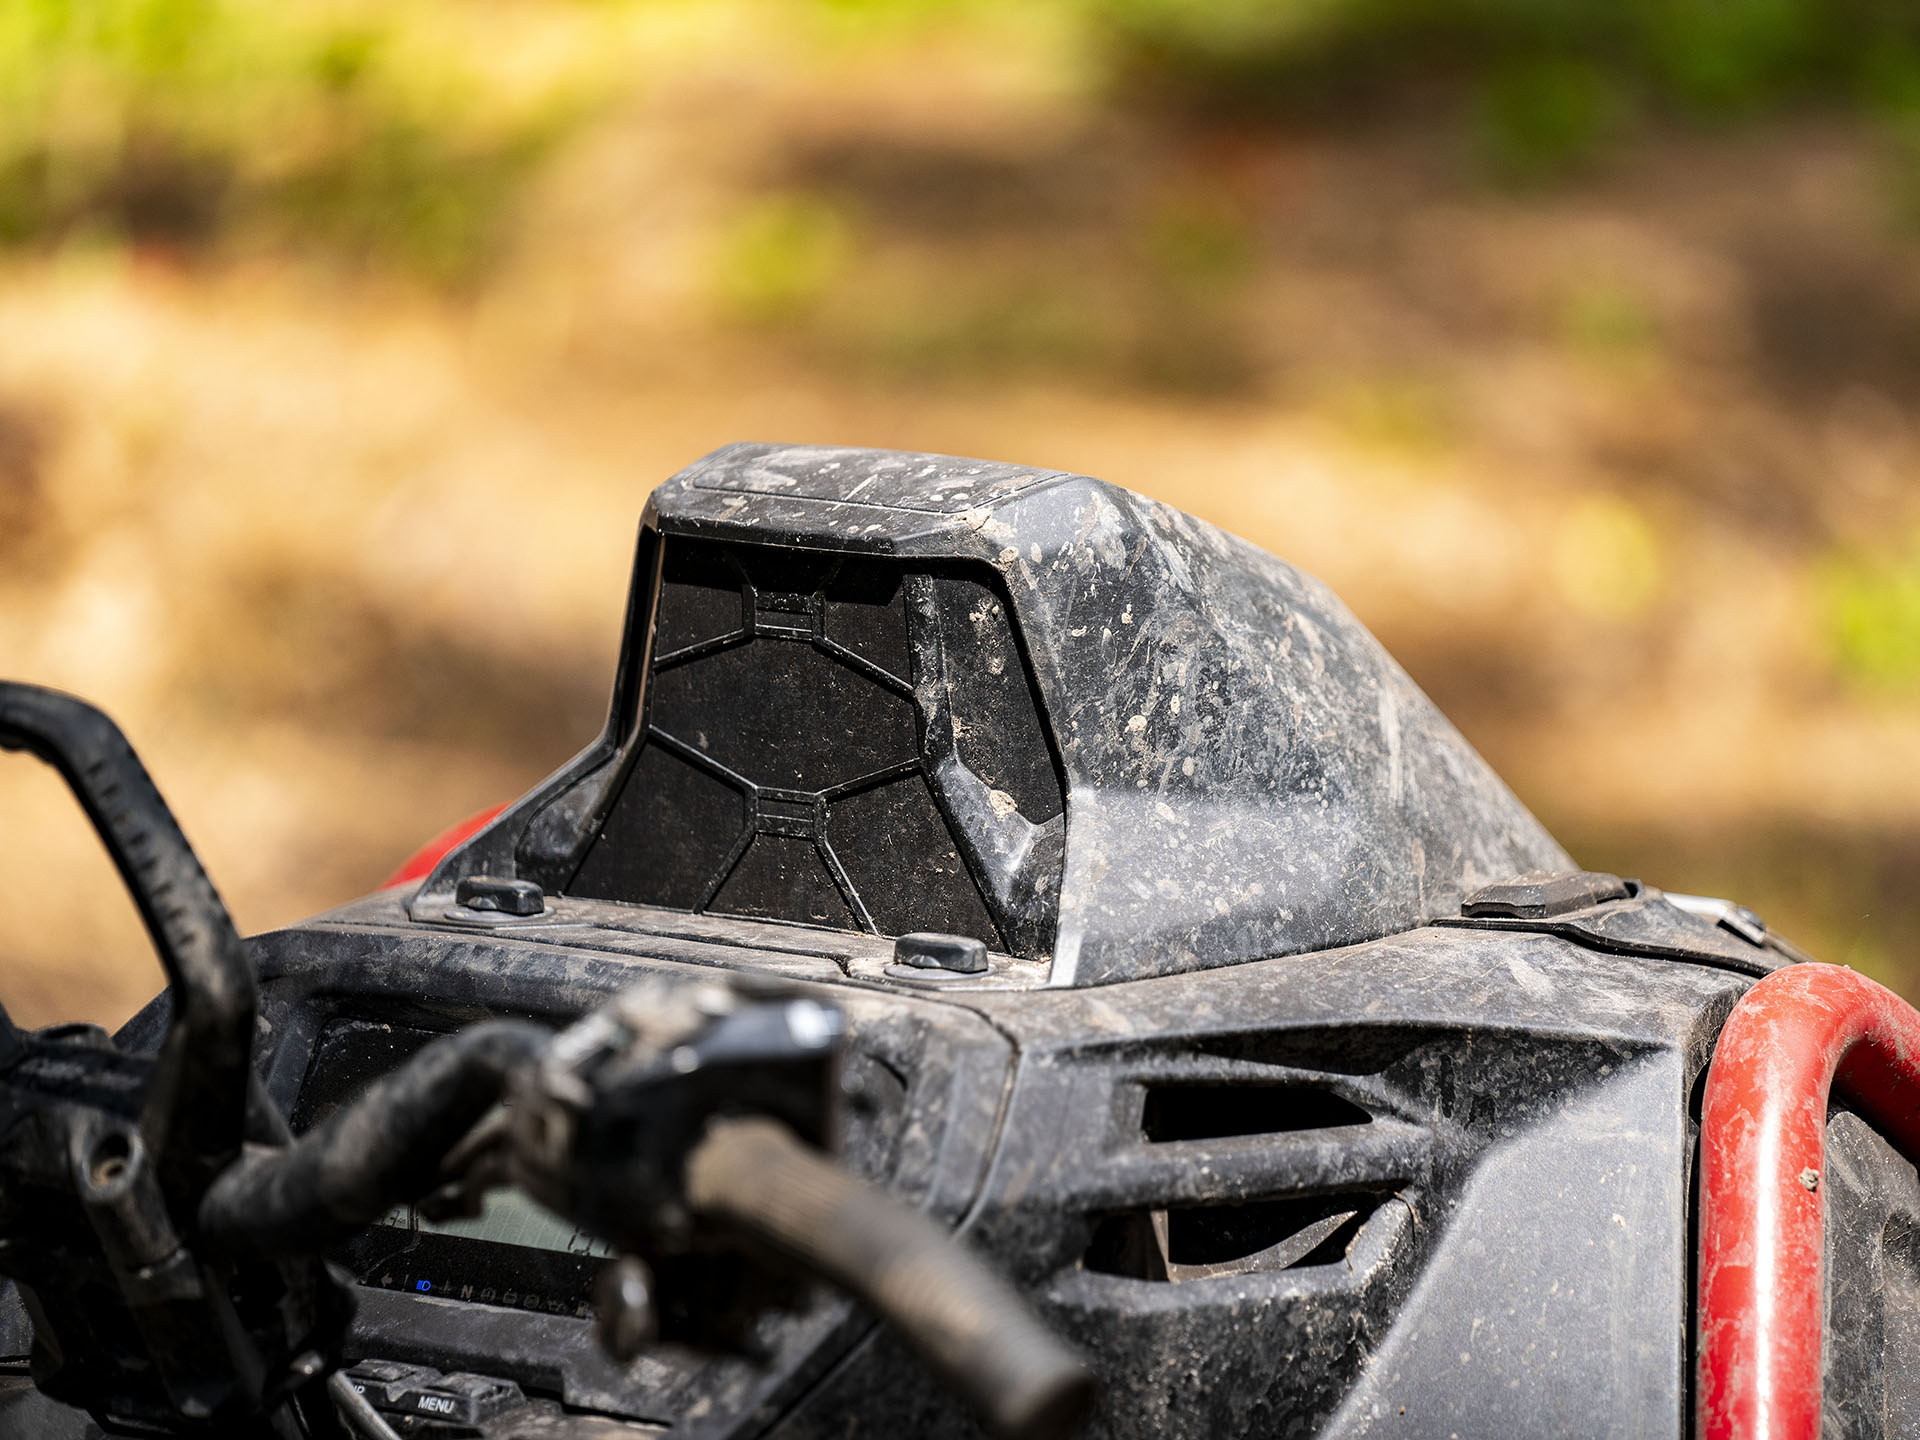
(515, 1253)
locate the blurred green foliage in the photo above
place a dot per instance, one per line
(360, 130)
(1607, 321)
(1540, 117)
(402, 133)
(1409, 415)
(1552, 80)
(1199, 246)
(1713, 56)
(1872, 608)
(780, 256)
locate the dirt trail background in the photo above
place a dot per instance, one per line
(1620, 460)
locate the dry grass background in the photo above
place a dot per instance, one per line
(1622, 467)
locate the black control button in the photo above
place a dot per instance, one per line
(458, 1399)
(419, 1399)
(381, 1381)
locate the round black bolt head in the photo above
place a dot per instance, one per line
(925, 950)
(508, 897)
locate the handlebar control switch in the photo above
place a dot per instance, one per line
(417, 1400)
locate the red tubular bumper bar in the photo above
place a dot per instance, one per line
(1763, 1138)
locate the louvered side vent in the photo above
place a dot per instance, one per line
(1179, 1242)
(1212, 1112)
(837, 741)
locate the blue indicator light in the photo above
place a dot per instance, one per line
(423, 1284)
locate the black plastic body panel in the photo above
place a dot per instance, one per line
(1505, 1116)
(1499, 1123)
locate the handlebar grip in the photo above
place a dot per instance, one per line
(963, 1320)
(382, 1150)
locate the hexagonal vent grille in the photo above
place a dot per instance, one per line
(787, 771)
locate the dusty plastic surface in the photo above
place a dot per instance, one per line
(1248, 772)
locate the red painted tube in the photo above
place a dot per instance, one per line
(1763, 1134)
(420, 864)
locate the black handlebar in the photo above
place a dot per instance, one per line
(752, 1177)
(961, 1318)
(196, 1110)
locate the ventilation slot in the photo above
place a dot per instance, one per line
(1215, 1112)
(1202, 1242)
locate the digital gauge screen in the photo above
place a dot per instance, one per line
(515, 1253)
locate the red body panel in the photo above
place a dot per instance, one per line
(420, 864)
(1762, 1197)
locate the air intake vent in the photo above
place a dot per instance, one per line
(1215, 1112)
(1202, 1242)
(838, 741)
